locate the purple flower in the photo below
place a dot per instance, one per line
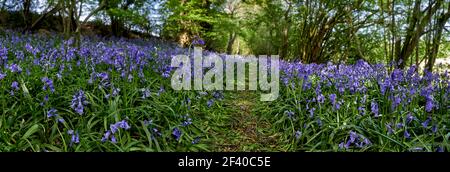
(187, 122)
(78, 102)
(406, 134)
(115, 92)
(289, 113)
(374, 108)
(434, 128)
(439, 149)
(2, 76)
(320, 98)
(353, 136)
(361, 110)
(48, 84)
(196, 140)
(113, 139)
(319, 122)
(145, 93)
(429, 105)
(123, 124)
(155, 130)
(426, 122)
(298, 134)
(149, 122)
(74, 137)
(341, 145)
(311, 112)
(106, 136)
(366, 141)
(210, 103)
(114, 128)
(52, 112)
(198, 41)
(409, 118)
(176, 133)
(15, 85)
(389, 128)
(333, 98)
(15, 68)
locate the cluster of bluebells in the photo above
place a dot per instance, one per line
(197, 41)
(332, 86)
(74, 137)
(356, 140)
(54, 113)
(48, 84)
(110, 134)
(176, 132)
(79, 102)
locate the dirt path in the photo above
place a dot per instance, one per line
(247, 131)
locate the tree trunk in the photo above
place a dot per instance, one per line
(231, 39)
(442, 20)
(415, 30)
(26, 14)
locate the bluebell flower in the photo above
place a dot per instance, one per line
(187, 122)
(389, 128)
(406, 134)
(353, 136)
(2, 76)
(361, 110)
(115, 92)
(367, 141)
(434, 128)
(145, 93)
(106, 136)
(374, 108)
(320, 98)
(429, 105)
(298, 134)
(332, 98)
(114, 128)
(439, 149)
(289, 113)
(176, 133)
(198, 41)
(155, 130)
(399, 125)
(149, 122)
(51, 113)
(409, 118)
(14, 68)
(196, 140)
(319, 122)
(311, 112)
(210, 102)
(113, 139)
(74, 137)
(15, 85)
(48, 84)
(70, 132)
(341, 145)
(78, 102)
(123, 124)
(426, 122)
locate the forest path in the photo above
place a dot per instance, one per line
(246, 129)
